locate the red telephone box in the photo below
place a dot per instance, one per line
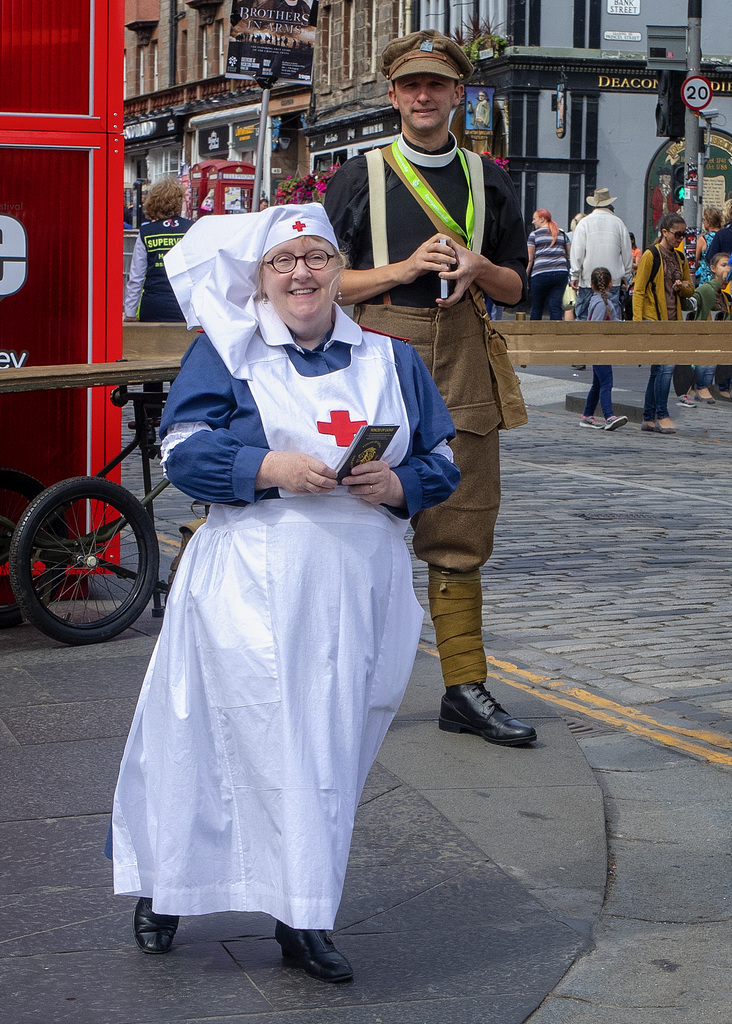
(200, 188)
(61, 163)
(221, 186)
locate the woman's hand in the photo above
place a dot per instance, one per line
(295, 472)
(376, 483)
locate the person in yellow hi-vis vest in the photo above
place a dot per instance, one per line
(432, 229)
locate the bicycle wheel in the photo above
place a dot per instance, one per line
(16, 490)
(83, 560)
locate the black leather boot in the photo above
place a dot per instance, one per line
(313, 951)
(153, 932)
(470, 708)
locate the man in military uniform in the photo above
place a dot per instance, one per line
(420, 219)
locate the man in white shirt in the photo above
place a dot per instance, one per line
(599, 240)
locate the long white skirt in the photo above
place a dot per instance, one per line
(288, 641)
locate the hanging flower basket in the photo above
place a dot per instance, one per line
(308, 189)
(500, 161)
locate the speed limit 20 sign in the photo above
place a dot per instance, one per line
(696, 92)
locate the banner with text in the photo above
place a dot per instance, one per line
(272, 39)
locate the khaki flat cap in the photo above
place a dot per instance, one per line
(426, 52)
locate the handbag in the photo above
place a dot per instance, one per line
(569, 298)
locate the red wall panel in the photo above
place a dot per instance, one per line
(61, 173)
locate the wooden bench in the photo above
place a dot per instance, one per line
(152, 352)
(530, 342)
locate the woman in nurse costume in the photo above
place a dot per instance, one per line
(292, 625)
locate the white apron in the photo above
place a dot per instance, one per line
(288, 641)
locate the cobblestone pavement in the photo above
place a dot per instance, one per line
(608, 578)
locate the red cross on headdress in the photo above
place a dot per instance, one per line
(299, 226)
(343, 428)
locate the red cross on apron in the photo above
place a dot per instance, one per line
(343, 428)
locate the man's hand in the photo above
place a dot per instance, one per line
(432, 256)
(294, 472)
(376, 483)
(503, 284)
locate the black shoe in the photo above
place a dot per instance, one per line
(313, 951)
(153, 932)
(470, 708)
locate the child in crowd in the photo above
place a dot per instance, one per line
(602, 376)
(711, 297)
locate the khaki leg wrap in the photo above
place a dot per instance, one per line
(456, 600)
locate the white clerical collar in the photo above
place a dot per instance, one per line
(427, 159)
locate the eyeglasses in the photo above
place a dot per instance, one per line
(285, 262)
(677, 234)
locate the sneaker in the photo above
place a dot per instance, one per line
(685, 400)
(613, 422)
(590, 421)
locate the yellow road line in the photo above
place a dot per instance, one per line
(706, 736)
(166, 542)
(607, 711)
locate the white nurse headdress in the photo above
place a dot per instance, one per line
(213, 272)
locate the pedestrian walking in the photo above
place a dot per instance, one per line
(149, 297)
(548, 267)
(711, 224)
(600, 240)
(722, 241)
(662, 281)
(601, 309)
(710, 298)
(292, 625)
(403, 214)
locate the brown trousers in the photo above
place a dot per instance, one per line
(458, 534)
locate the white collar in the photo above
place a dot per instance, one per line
(274, 332)
(427, 159)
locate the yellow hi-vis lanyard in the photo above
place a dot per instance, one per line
(432, 201)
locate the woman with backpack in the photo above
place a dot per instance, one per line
(548, 266)
(662, 281)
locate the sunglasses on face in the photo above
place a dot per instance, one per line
(285, 262)
(677, 234)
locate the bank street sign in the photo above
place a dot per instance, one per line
(623, 6)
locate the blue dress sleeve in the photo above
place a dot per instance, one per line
(217, 465)
(427, 476)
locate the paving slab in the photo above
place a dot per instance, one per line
(425, 883)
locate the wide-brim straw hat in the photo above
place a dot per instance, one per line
(601, 197)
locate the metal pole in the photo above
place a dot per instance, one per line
(692, 207)
(266, 86)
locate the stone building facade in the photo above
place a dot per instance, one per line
(180, 108)
(596, 50)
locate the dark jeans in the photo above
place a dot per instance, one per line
(602, 386)
(548, 286)
(659, 384)
(705, 376)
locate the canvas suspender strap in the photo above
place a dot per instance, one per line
(477, 186)
(377, 206)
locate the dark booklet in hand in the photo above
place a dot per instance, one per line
(369, 444)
